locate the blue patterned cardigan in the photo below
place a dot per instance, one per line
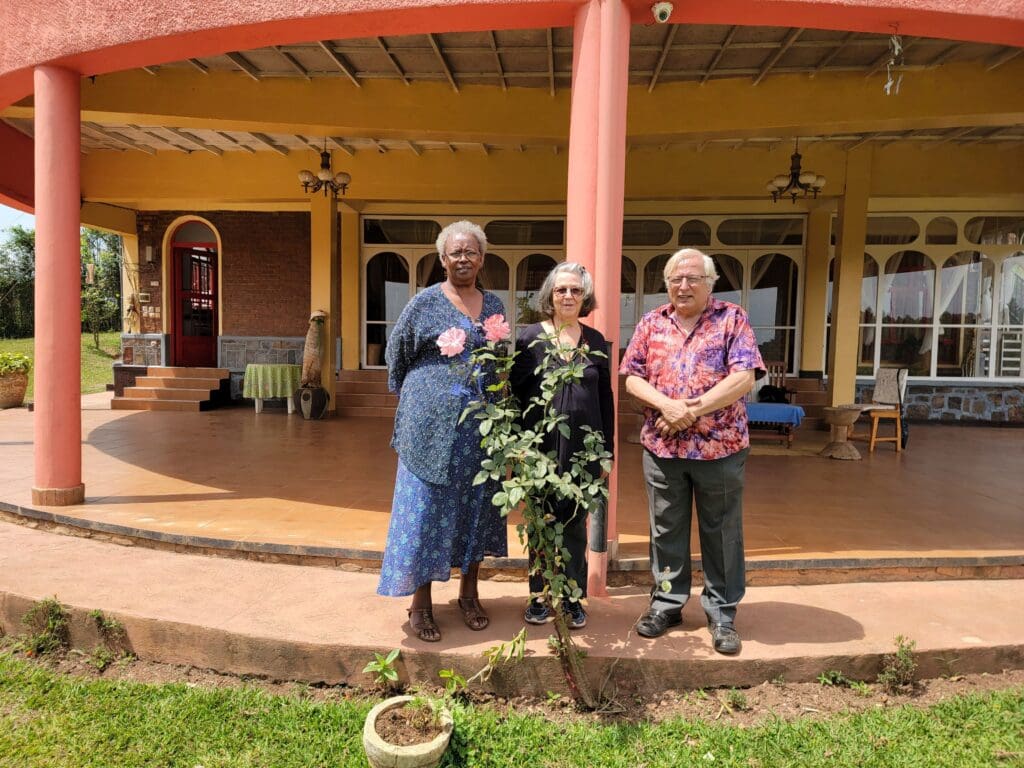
(431, 388)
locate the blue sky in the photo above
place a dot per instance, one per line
(11, 216)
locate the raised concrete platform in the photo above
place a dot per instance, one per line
(321, 624)
(276, 488)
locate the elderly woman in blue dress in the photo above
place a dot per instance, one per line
(439, 519)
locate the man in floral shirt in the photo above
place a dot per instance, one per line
(690, 362)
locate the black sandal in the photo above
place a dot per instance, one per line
(421, 621)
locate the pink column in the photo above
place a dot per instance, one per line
(581, 196)
(597, 165)
(58, 415)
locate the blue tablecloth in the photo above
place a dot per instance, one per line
(775, 413)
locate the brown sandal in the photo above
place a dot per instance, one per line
(421, 621)
(473, 613)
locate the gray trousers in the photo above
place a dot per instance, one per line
(717, 487)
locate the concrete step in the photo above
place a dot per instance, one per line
(177, 382)
(165, 371)
(166, 393)
(795, 633)
(361, 388)
(368, 375)
(349, 400)
(153, 404)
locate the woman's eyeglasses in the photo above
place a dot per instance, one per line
(469, 255)
(574, 292)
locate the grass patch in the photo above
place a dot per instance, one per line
(96, 363)
(48, 720)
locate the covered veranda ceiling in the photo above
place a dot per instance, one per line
(542, 59)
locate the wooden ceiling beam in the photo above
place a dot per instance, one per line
(444, 63)
(393, 60)
(551, 59)
(339, 62)
(236, 142)
(244, 64)
(783, 47)
(1002, 58)
(670, 35)
(830, 57)
(293, 62)
(718, 56)
(497, 62)
(117, 138)
(262, 138)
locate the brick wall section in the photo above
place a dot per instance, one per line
(265, 265)
(960, 403)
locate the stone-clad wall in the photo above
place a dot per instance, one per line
(964, 403)
(236, 352)
(142, 349)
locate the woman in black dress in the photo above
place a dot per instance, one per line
(567, 295)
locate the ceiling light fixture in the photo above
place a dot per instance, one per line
(797, 183)
(325, 178)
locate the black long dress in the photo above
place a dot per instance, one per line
(586, 402)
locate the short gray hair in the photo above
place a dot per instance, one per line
(462, 228)
(544, 301)
(689, 253)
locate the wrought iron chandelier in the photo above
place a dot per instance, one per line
(325, 178)
(797, 183)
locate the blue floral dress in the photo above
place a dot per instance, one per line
(439, 519)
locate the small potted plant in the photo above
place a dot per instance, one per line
(14, 370)
(414, 731)
(408, 731)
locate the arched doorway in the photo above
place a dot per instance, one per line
(193, 280)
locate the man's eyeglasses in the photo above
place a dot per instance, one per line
(574, 292)
(469, 255)
(675, 282)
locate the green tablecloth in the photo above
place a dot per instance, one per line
(266, 380)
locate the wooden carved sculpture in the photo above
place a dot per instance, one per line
(312, 352)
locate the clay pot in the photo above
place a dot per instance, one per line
(381, 754)
(311, 402)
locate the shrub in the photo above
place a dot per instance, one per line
(12, 362)
(898, 668)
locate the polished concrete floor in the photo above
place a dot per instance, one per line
(234, 476)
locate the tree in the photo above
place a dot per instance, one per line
(101, 282)
(17, 283)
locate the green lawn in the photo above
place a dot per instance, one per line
(52, 720)
(96, 363)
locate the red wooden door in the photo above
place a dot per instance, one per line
(195, 305)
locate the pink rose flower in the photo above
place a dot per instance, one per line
(496, 329)
(452, 342)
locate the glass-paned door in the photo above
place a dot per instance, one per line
(195, 305)
(387, 293)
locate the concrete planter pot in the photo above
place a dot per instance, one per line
(381, 754)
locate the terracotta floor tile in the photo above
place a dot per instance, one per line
(277, 478)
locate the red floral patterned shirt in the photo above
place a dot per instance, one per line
(682, 366)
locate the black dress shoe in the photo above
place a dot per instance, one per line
(655, 622)
(725, 639)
